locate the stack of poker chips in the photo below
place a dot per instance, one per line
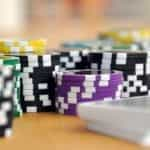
(115, 39)
(126, 36)
(22, 46)
(134, 65)
(14, 62)
(38, 84)
(38, 77)
(76, 86)
(6, 100)
(22, 49)
(107, 45)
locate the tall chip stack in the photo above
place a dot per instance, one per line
(76, 86)
(6, 100)
(134, 65)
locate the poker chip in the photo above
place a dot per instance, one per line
(76, 45)
(22, 46)
(15, 63)
(123, 47)
(6, 101)
(76, 86)
(91, 44)
(134, 65)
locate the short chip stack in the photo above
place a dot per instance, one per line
(6, 101)
(77, 86)
(22, 46)
(135, 67)
(14, 62)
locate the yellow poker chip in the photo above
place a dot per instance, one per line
(120, 36)
(23, 46)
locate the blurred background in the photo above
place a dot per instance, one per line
(62, 20)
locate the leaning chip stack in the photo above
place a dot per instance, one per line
(134, 65)
(6, 100)
(22, 46)
(38, 77)
(77, 86)
(14, 62)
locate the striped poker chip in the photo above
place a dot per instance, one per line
(95, 86)
(134, 65)
(22, 46)
(15, 63)
(6, 100)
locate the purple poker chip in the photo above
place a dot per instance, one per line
(84, 86)
(70, 108)
(96, 84)
(81, 88)
(73, 98)
(93, 91)
(88, 75)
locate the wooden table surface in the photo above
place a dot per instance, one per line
(47, 131)
(51, 131)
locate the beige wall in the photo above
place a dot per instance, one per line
(11, 14)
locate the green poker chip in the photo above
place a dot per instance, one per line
(132, 47)
(14, 62)
(121, 46)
